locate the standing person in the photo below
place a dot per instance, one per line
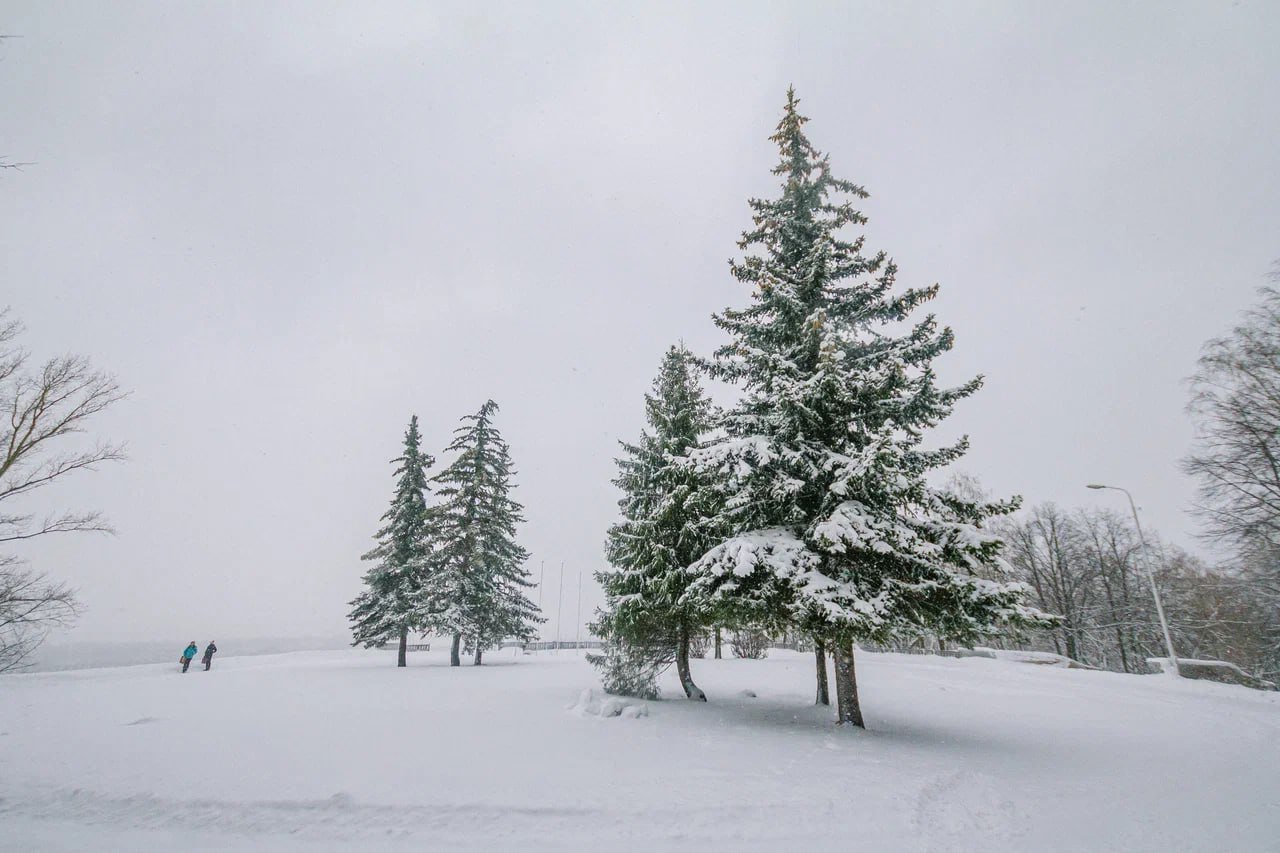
(187, 654)
(207, 660)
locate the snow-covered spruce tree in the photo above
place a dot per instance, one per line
(649, 618)
(476, 587)
(838, 532)
(388, 607)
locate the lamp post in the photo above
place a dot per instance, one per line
(1146, 562)
(577, 637)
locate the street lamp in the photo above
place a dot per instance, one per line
(1146, 562)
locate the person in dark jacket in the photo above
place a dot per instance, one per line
(207, 660)
(187, 654)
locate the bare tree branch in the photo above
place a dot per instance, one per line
(30, 606)
(40, 411)
(1235, 399)
(1084, 566)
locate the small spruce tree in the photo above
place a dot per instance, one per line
(388, 609)
(476, 588)
(650, 617)
(838, 531)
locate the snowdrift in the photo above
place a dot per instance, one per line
(1211, 670)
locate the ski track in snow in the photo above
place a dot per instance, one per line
(342, 818)
(962, 805)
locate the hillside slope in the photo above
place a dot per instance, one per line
(340, 750)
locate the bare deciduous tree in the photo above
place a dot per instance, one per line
(1042, 548)
(44, 407)
(1084, 565)
(30, 605)
(1235, 399)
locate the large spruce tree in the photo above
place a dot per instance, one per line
(665, 511)
(822, 462)
(476, 588)
(388, 608)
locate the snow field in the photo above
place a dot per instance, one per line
(342, 751)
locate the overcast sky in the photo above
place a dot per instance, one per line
(287, 227)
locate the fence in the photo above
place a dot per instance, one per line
(541, 646)
(549, 645)
(411, 647)
(919, 648)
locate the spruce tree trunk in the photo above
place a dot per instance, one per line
(691, 690)
(479, 651)
(454, 657)
(820, 658)
(848, 711)
(404, 646)
(717, 642)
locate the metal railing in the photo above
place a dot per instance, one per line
(549, 645)
(410, 647)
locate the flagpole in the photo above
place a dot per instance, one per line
(542, 573)
(559, 607)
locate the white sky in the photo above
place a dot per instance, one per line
(288, 226)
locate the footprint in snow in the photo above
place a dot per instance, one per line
(954, 811)
(141, 721)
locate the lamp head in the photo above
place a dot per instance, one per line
(1097, 486)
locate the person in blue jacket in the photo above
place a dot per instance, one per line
(209, 650)
(187, 654)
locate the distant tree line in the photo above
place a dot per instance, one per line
(1235, 403)
(1085, 565)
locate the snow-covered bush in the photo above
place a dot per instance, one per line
(591, 703)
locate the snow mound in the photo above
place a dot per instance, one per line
(1037, 658)
(594, 703)
(1211, 670)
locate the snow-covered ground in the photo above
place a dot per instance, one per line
(340, 750)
